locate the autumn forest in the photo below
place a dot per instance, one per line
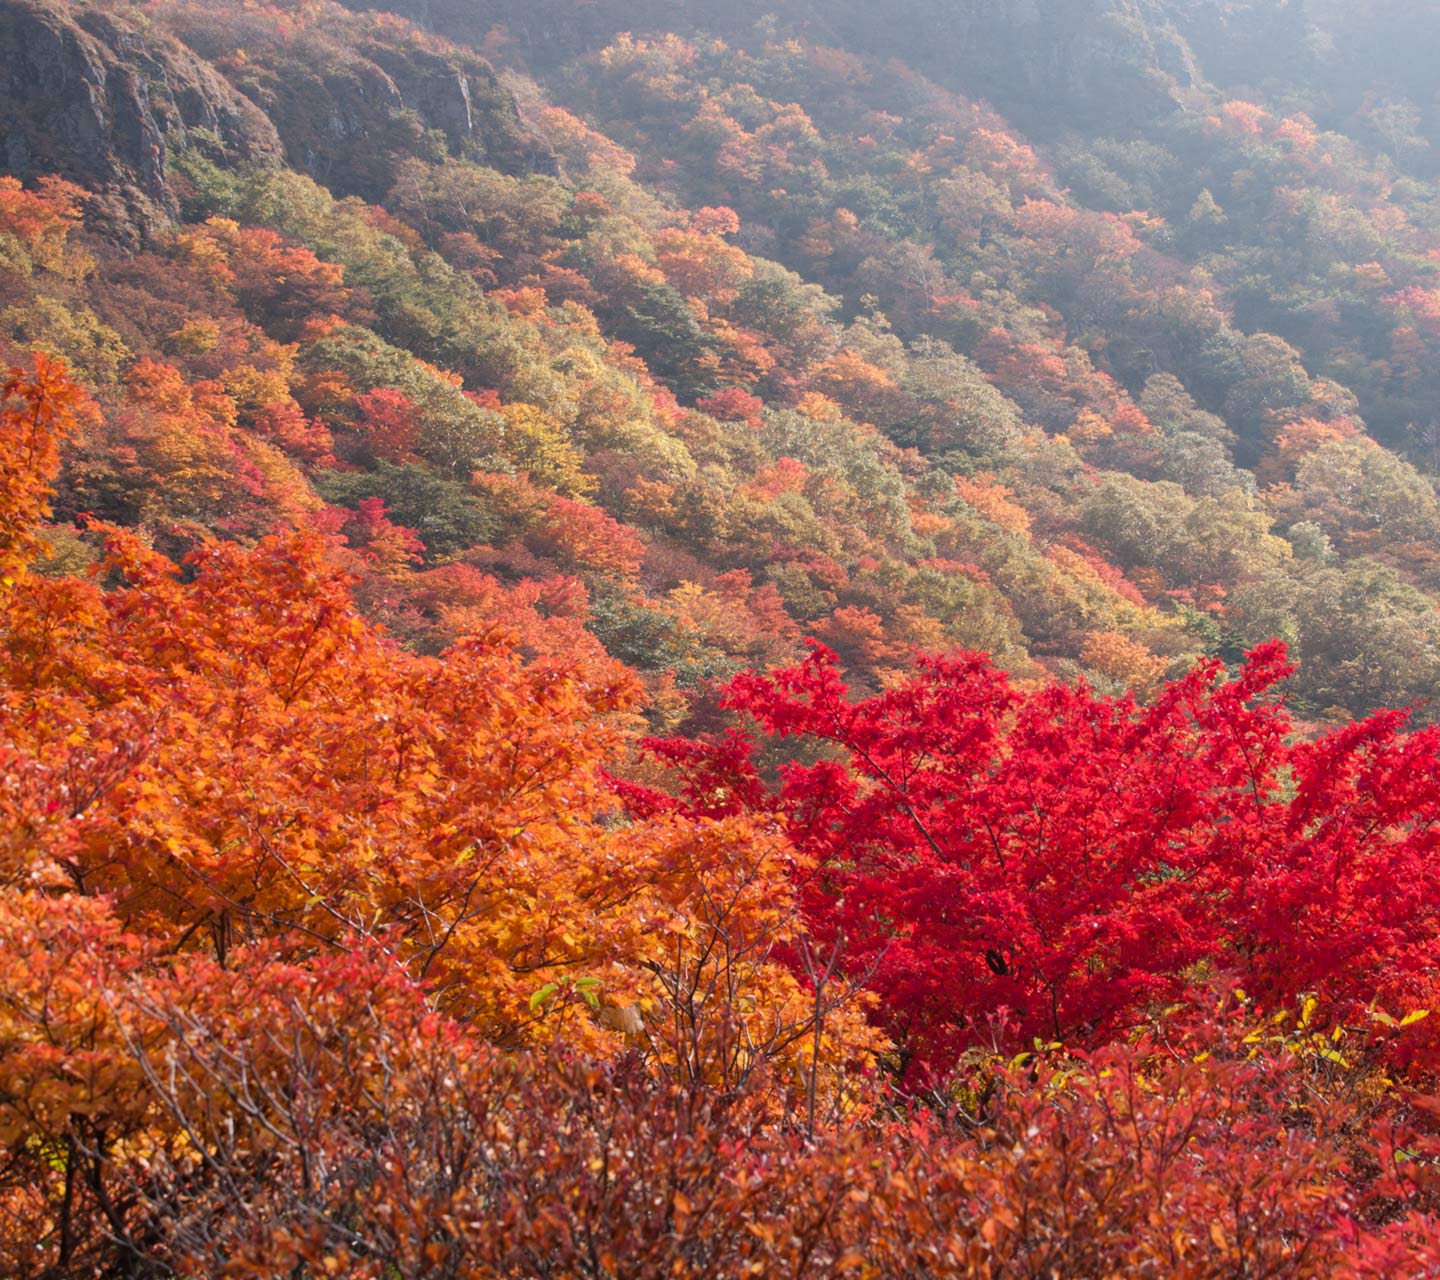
(664, 638)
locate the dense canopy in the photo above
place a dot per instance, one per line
(659, 640)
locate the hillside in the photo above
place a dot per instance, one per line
(1074, 412)
(854, 582)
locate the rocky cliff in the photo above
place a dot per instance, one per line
(105, 100)
(108, 94)
(348, 98)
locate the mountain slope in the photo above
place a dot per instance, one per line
(809, 344)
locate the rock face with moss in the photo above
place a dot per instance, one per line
(104, 98)
(346, 102)
(109, 96)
